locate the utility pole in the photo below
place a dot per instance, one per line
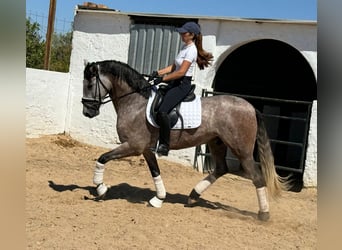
(51, 22)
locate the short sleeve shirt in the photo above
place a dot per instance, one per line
(188, 53)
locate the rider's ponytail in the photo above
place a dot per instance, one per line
(204, 58)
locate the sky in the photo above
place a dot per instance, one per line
(269, 9)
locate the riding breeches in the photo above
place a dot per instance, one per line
(178, 91)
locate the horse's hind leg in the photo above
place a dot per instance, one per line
(254, 172)
(218, 152)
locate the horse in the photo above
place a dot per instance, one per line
(227, 121)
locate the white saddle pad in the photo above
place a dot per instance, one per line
(190, 111)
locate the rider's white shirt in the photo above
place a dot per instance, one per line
(188, 53)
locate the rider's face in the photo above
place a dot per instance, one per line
(187, 37)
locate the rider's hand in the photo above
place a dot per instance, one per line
(153, 75)
(157, 80)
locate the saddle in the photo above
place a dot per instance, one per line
(174, 114)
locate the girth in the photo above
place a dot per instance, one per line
(174, 113)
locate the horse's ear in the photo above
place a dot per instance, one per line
(85, 62)
(93, 68)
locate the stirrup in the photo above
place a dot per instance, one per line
(163, 150)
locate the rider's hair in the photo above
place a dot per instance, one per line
(204, 58)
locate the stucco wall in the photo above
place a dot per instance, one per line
(46, 102)
(310, 173)
(96, 38)
(221, 37)
(104, 35)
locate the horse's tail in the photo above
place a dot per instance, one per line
(275, 184)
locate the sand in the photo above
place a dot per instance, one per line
(61, 212)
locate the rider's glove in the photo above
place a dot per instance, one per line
(153, 75)
(157, 80)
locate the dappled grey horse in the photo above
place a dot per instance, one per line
(227, 121)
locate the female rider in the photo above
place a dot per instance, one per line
(178, 76)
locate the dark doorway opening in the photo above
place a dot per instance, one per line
(267, 68)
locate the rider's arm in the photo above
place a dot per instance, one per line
(167, 70)
(179, 73)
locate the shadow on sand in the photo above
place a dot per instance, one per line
(143, 195)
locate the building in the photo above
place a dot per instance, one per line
(271, 63)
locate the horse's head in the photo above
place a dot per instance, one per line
(95, 89)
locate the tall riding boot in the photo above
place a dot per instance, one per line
(164, 133)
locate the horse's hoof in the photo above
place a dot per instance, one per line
(263, 216)
(156, 202)
(101, 190)
(191, 202)
(193, 199)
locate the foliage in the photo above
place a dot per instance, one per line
(34, 46)
(60, 52)
(35, 49)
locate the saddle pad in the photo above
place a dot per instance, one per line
(191, 112)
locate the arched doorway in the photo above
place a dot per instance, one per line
(268, 68)
(277, 80)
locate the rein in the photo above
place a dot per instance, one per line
(139, 90)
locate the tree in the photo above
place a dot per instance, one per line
(34, 46)
(60, 52)
(35, 49)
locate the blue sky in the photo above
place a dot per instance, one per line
(274, 9)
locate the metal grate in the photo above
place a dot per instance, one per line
(152, 46)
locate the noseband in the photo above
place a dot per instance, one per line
(95, 104)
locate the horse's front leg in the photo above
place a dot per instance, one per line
(156, 201)
(123, 150)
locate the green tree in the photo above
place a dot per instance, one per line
(60, 52)
(34, 46)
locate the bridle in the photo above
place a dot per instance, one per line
(95, 103)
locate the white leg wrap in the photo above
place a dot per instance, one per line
(204, 184)
(160, 189)
(262, 199)
(98, 173)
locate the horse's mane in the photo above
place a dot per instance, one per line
(126, 73)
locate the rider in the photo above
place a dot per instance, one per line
(178, 76)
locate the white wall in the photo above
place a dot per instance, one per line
(96, 38)
(221, 37)
(46, 102)
(310, 173)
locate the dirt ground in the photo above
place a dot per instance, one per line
(59, 176)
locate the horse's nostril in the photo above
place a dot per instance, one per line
(86, 114)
